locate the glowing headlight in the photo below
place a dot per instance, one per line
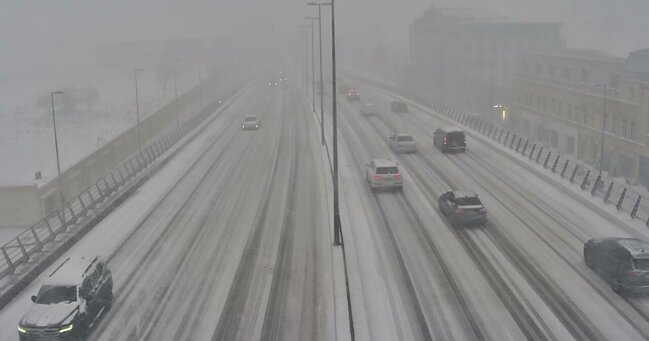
(66, 328)
(22, 330)
(243, 127)
(256, 126)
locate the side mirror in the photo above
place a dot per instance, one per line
(34, 298)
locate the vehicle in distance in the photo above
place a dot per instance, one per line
(402, 143)
(273, 83)
(250, 122)
(383, 173)
(368, 109)
(450, 139)
(462, 208)
(70, 301)
(622, 262)
(399, 107)
(353, 95)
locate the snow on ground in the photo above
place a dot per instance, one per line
(26, 132)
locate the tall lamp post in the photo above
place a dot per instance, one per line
(313, 57)
(322, 139)
(56, 147)
(306, 59)
(337, 225)
(137, 112)
(601, 155)
(176, 93)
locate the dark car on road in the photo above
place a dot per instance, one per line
(70, 301)
(622, 262)
(399, 107)
(449, 139)
(462, 208)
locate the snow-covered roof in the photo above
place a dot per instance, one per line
(464, 194)
(452, 129)
(384, 163)
(71, 271)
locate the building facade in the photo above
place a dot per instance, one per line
(470, 62)
(578, 101)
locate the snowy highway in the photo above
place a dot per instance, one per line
(232, 240)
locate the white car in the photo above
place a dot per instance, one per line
(368, 109)
(250, 122)
(383, 173)
(402, 143)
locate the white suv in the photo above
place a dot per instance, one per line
(383, 173)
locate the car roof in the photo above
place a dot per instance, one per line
(636, 247)
(464, 194)
(250, 116)
(384, 163)
(71, 271)
(452, 129)
(402, 134)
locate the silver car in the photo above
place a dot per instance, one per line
(402, 143)
(383, 173)
(250, 122)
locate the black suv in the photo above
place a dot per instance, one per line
(462, 208)
(622, 262)
(399, 107)
(449, 139)
(72, 299)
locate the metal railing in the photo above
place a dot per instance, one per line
(98, 197)
(623, 197)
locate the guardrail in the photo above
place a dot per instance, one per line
(624, 198)
(59, 225)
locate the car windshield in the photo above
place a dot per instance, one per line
(50, 294)
(641, 264)
(467, 201)
(405, 138)
(250, 119)
(387, 170)
(456, 136)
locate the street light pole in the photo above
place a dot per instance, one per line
(306, 60)
(337, 224)
(56, 147)
(313, 57)
(601, 155)
(322, 141)
(491, 92)
(137, 112)
(176, 93)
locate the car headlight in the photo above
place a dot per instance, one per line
(256, 126)
(22, 330)
(66, 329)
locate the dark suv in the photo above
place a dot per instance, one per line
(622, 262)
(462, 208)
(72, 299)
(450, 139)
(399, 107)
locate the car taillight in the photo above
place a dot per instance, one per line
(458, 210)
(397, 177)
(445, 140)
(631, 273)
(483, 210)
(377, 178)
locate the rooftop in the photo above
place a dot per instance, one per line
(464, 194)
(635, 246)
(71, 271)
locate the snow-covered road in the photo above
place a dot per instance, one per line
(232, 241)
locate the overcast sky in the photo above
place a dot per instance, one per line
(37, 33)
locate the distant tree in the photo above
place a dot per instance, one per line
(164, 74)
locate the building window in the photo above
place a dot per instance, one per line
(570, 145)
(624, 128)
(552, 70)
(585, 75)
(614, 124)
(566, 73)
(605, 122)
(632, 130)
(615, 80)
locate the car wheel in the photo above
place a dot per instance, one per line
(617, 287)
